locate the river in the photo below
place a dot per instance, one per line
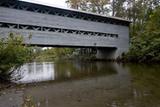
(85, 84)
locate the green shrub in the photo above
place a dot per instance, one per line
(145, 47)
(13, 54)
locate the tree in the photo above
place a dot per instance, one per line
(96, 6)
(118, 8)
(138, 11)
(145, 48)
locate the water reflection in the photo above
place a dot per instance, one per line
(79, 70)
(146, 85)
(94, 84)
(36, 71)
(91, 84)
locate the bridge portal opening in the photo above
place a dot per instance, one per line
(88, 53)
(51, 53)
(106, 53)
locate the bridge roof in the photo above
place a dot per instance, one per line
(90, 13)
(67, 10)
(80, 11)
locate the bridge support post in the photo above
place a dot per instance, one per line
(106, 53)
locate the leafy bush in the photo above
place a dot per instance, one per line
(13, 54)
(145, 47)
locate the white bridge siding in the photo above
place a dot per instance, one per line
(111, 39)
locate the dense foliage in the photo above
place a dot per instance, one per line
(145, 47)
(13, 54)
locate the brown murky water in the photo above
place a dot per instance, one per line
(86, 84)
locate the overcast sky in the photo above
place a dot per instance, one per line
(56, 3)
